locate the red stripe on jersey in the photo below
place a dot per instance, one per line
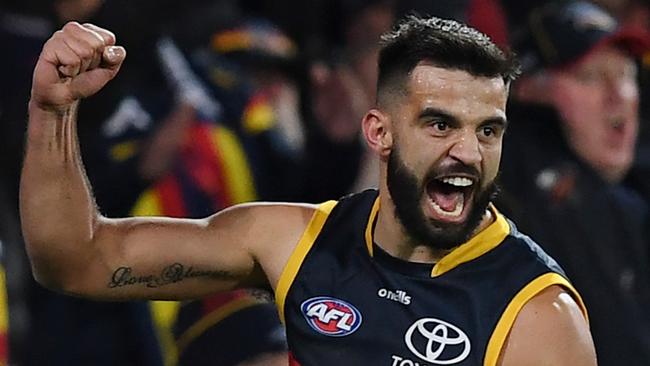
(292, 360)
(171, 197)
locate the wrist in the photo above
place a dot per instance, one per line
(41, 110)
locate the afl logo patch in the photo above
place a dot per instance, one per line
(331, 317)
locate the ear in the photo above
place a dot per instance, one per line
(377, 130)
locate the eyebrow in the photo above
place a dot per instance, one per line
(431, 112)
(500, 121)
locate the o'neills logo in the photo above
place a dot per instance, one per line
(395, 295)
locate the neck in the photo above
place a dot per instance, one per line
(392, 237)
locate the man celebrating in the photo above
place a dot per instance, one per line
(459, 283)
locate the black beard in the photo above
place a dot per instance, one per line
(407, 191)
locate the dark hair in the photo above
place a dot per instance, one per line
(445, 43)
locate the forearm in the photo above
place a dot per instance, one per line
(58, 212)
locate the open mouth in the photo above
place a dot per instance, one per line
(618, 132)
(449, 197)
(616, 123)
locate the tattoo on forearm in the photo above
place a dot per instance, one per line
(124, 276)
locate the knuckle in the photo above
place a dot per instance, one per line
(53, 41)
(111, 36)
(105, 35)
(57, 35)
(96, 42)
(86, 52)
(71, 26)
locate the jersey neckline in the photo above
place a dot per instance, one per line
(481, 243)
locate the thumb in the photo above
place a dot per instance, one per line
(113, 56)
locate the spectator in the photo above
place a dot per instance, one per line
(205, 163)
(237, 328)
(249, 68)
(341, 87)
(571, 142)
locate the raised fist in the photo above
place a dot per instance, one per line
(76, 62)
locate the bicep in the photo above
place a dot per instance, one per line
(164, 258)
(169, 258)
(549, 330)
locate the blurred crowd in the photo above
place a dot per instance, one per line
(226, 101)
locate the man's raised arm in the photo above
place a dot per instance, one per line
(74, 249)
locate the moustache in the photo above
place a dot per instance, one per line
(452, 169)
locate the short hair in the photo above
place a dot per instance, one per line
(444, 43)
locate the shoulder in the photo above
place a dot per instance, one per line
(259, 220)
(550, 329)
(269, 231)
(267, 211)
(533, 250)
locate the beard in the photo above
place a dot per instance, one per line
(407, 190)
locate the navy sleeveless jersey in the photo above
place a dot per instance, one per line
(346, 302)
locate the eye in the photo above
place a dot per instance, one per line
(440, 125)
(588, 76)
(488, 131)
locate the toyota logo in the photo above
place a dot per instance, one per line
(437, 341)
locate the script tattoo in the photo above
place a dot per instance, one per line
(124, 276)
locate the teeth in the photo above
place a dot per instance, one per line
(458, 181)
(455, 213)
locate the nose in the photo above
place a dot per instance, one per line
(614, 92)
(466, 149)
(620, 90)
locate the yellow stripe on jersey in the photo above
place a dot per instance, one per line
(480, 244)
(258, 117)
(300, 252)
(237, 172)
(369, 226)
(501, 331)
(4, 318)
(4, 309)
(214, 317)
(163, 315)
(124, 151)
(148, 204)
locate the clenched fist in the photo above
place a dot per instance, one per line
(75, 63)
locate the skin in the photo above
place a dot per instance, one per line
(598, 100)
(549, 330)
(76, 250)
(464, 125)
